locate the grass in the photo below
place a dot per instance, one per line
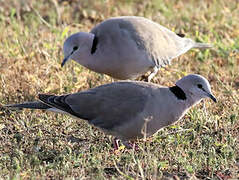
(37, 145)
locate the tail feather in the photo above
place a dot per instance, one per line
(28, 105)
(202, 45)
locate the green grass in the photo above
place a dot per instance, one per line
(39, 145)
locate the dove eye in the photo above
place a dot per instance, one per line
(75, 48)
(199, 86)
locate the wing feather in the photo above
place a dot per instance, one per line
(106, 106)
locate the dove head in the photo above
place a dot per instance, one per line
(196, 87)
(76, 46)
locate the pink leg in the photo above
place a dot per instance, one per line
(116, 143)
(129, 145)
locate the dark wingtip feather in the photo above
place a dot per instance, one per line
(57, 102)
(44, 97)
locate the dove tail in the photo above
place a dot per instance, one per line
(28, 105)
(202, 45)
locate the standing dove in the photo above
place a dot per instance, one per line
(127, 47)
(122, 109)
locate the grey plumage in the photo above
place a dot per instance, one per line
(123, 108)
(127, 47)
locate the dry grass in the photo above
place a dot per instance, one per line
(36, 145)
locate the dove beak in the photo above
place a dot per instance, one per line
(212, 97)
(65, 59)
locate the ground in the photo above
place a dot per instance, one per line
(39, 145)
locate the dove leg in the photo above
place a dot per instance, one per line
(129, 145)
(116, 143)
(155, 71)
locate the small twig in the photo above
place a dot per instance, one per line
(41, 18)
(57, 11)
(125, 175)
